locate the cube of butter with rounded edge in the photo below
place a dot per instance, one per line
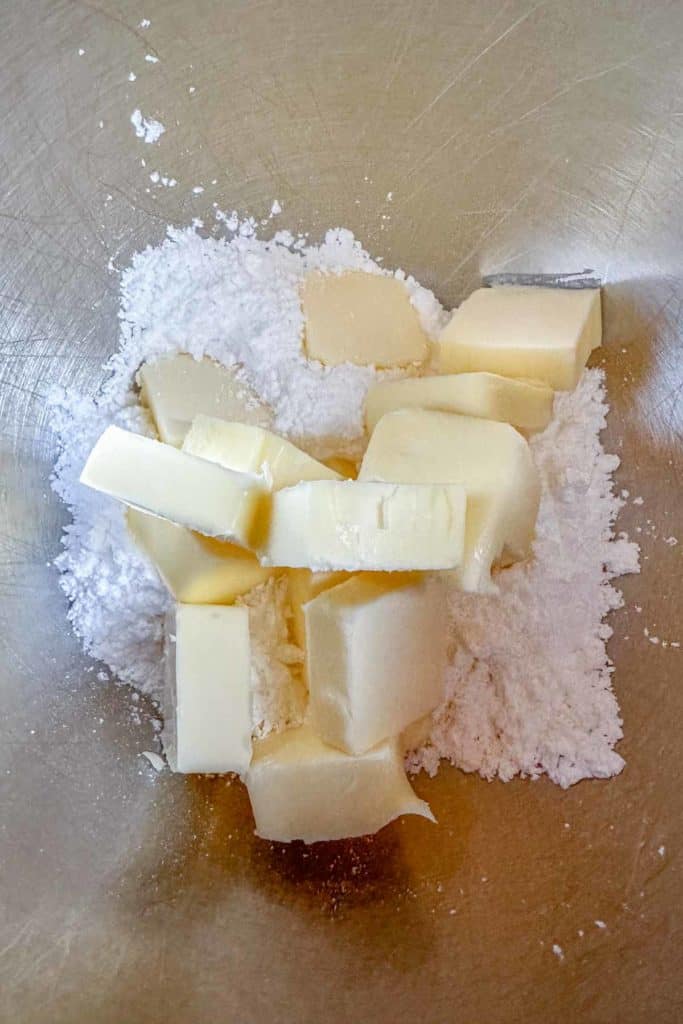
(328, 525)
(301, 788)
(543, 334)
(492, 461)
(361, 318)
(484, 395)
(375, 657)
(169, 483)
(207, 704)
(196, 569)
(249, 449)
(178, 388)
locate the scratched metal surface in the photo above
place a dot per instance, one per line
(515, 137)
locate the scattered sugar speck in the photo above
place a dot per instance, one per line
(558, 951)
(198, 189)
(275, 208)
(145, 23)
(151, 59)
(600, 924)
(81, 52)
(661, 850)
(132, 76)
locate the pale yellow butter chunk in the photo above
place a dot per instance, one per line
(493, 463)
(158, 478)
(485, 395)
(301, 788)
(361, 318)
(196, 569)
(327, 525)
(178, 388)
(250, 449)
(208, 689)
(543, 334)
(375, 658)
(304, 585)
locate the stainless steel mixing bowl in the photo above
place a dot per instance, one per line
(515, 136)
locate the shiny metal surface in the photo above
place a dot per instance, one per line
(515, 136)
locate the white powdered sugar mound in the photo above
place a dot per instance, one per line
(528, 687)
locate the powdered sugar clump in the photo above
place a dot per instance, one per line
(146, 128)
(528, 687)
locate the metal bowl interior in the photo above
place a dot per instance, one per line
(514, 137)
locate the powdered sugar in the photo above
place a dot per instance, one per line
(278, 692)
(146, 128)
(528, 688)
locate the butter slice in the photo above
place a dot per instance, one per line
(361, 318)
(250, 449)
(178, 388)
(543, 334)
(304, 585)
(375, 658)
(208, 713)
(301, 788)
(492, 461)
(485, 395)
(158, 478)
(329, 525)
(196, 569)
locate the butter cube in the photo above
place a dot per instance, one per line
(486, 395)
(361, 318)
(250, 449)
(490, 460)
(543, 334)
(208, 697)
(304, 585)
(178, 388)
(301, 788)
(329, 525)
(158, 478)
(196, 569)
(375, 657)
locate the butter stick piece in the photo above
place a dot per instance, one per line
(375, 657)
(249, 449)
(485, 395)
(301, 788)
(196, 569)
(492, 461)
(361, 318)
(178, 388)
(543, 334)
(207, 704)
(158, 478)
(328, 525)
